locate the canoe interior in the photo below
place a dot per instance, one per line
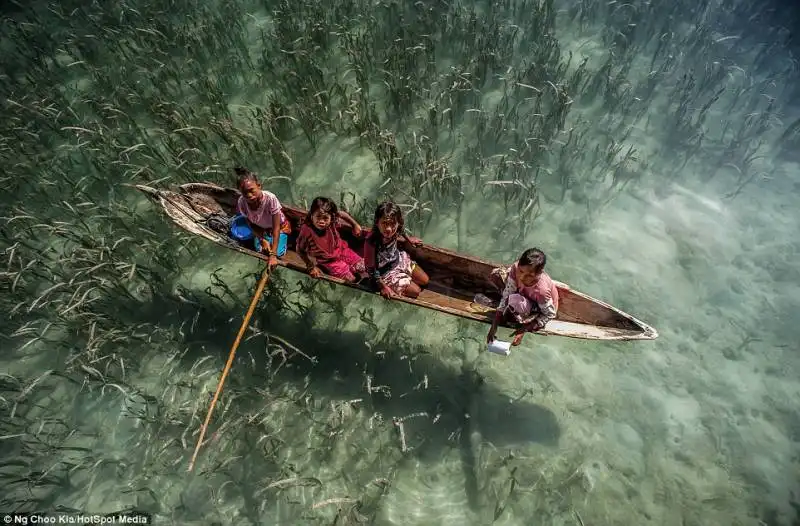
(455, 279)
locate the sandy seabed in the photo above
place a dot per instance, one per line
(699, 427)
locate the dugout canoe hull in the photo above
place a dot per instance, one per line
(455, 278)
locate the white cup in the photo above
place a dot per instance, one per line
(500, 347)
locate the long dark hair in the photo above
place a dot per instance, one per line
(324, 204)
(387, 209)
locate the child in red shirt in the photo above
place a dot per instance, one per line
(321, 246)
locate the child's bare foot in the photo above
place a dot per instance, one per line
(387, 293)
(412, 291)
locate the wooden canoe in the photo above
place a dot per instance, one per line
(455, 279)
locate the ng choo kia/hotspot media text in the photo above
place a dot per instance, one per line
(25, 519)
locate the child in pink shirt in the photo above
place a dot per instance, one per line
(530, 297)
(264, 216)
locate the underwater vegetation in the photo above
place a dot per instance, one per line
(460, 111)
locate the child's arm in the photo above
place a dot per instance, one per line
(311, 265)
(372, 270)
(276, 232)
(508, 290)
(369, 263)
(305, 253)
(411, 240)
(274, 207)
(309, 260)
(304, 248)
(258, 236)
(496, 319)
(347, 218)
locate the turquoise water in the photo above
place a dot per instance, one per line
(648, 149)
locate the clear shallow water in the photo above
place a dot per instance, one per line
(119, 325)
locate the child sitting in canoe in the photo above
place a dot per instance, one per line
(262, 209)
(530, 297)
(391, 268)
(321, 246)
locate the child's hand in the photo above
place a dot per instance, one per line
(490, 336)
(357, 230)
(315, 272)
(532, 325)
(517, 338)
(414, 241)
(273, 262)
(387, 293)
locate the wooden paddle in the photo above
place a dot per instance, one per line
(259, 290)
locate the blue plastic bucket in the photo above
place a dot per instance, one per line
(240, 229)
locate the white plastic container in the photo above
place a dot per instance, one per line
(500, 347)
